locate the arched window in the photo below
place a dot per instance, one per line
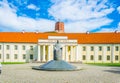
(116, 57)
(108, 57)
(92, 48)
(0, 56)
(84, 57)
(116, 48)
(100, 48)
(99, 57)
(84, 48)
(108, 48)
(91, 57)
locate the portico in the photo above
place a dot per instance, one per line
(45, 49)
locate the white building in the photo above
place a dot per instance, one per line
(77, 47)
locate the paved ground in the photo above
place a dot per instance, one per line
(22, 73)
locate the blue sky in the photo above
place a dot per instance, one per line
(78, 15)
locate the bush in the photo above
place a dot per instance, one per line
(106, 64)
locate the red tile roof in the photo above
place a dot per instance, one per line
(83, 38)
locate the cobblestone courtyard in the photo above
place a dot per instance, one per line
(23, 73)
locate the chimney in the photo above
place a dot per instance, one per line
(59, 27)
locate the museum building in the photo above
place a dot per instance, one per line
(76, 47)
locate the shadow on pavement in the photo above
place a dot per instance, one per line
(113, 70)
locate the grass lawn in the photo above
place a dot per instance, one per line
(13, 63)
(106, 64)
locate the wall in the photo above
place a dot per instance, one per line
(76, 57)
(104, 53)
(19, 52)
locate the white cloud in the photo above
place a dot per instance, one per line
(118, 9)
(82, 15)
(86, 25)
(111, 29)
(10, 20)
(33, 7)
(107, 30)
(79, 10)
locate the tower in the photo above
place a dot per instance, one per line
(59, 27)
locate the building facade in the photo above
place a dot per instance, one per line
(76, 47)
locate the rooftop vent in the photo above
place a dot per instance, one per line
(87, 32)
(116, 31)
(23, 31)
(37, 31)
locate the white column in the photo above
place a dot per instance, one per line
(43, 53)
(49, 52)
(76, 53)
(63, 53)
(71, 53)
(52, 52)
(66, 53)
(39, 56)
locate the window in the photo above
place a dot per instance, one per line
(99, 57)
(84, 48)
(92, 48)
(91, 57)
(31, 47)
(108, 48)
(0, 56)
(84, 57)
(15, 47)
(0, 47)
(31, 56)
(7, 47)
(116, 48)
(68, 48)
(15, 56)
(7, 56)
(23, 47)
(24, 56)
(108, 57)
(116, 57)
(100, 48)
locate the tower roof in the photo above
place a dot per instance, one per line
(59, 27)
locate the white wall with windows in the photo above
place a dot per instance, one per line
(99, 53)
(86, 53)
(17, 52)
